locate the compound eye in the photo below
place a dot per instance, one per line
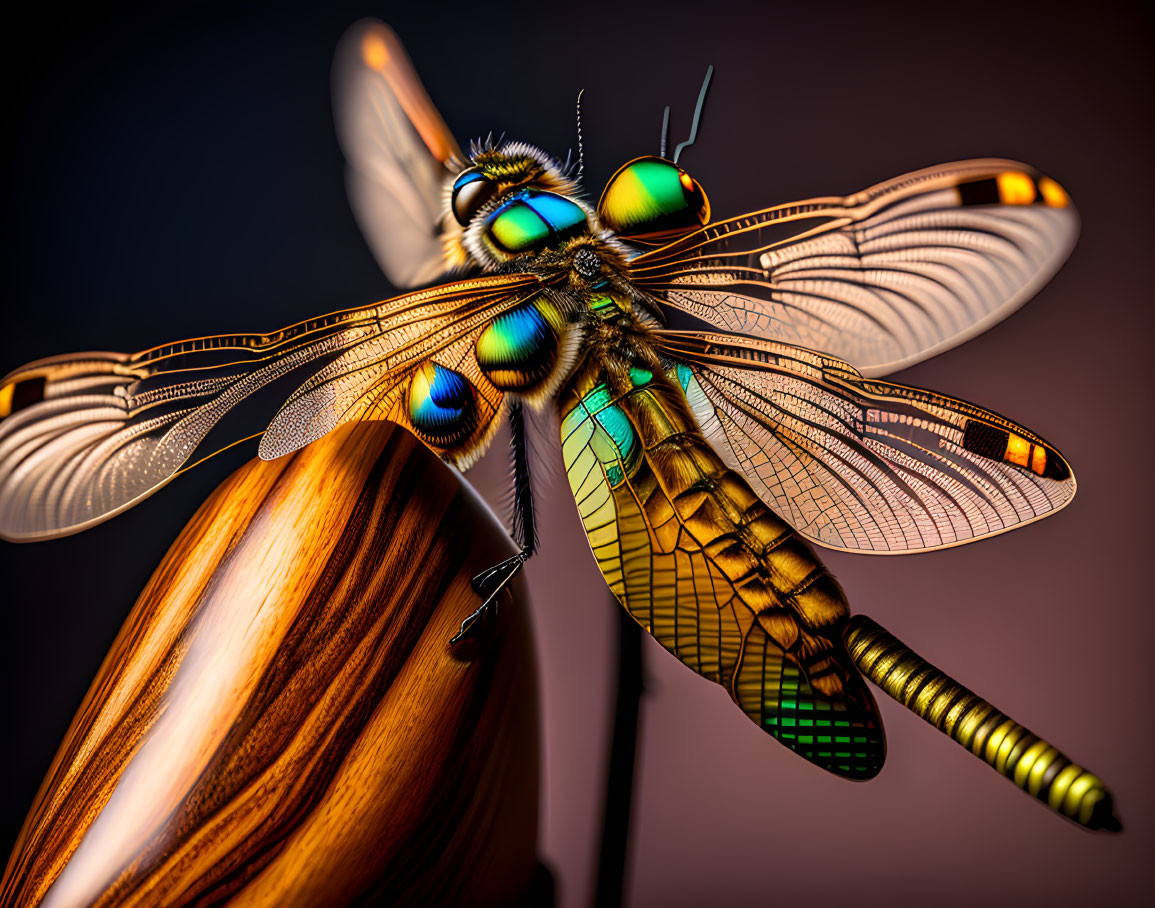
(471, 190)
(652, 200)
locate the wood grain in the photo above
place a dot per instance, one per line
(281, 720)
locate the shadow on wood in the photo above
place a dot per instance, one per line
(281, 719)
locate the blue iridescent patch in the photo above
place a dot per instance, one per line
(466, 178)
(556, 210)
(621, 455)
(442, 404)
(517, 349)
(531, 220)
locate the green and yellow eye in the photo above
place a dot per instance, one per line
(653, 200)
(532, 220)
(519, 349)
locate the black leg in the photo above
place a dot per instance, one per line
(490, 582)
(615, 853)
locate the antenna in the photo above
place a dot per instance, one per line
(581, 150)
(697, 115)
(665, 130)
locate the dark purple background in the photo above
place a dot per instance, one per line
(171, 171)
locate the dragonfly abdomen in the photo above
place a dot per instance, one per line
(694, 507)
(771, 568)
(1032, 763)
(703, 565)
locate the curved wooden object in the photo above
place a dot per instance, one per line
(282, 721)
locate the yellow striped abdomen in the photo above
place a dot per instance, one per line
(1032, 763)
(707, 568)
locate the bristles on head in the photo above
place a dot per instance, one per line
(513, 166)
(517, 164)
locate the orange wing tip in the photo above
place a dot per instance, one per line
(1015, 188)
(20, 392)
(1054, 195)
(383, 53)
(374, 50)
(997, 443)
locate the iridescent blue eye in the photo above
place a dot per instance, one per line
(471, 190)
(442, 405)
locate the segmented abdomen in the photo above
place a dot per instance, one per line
(708, 569)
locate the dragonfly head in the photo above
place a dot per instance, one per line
(494, 175)
(516, 207)
(495, 172)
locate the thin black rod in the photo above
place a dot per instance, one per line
(524, 521)
(697, 115)
(581, 150)
(615, 848)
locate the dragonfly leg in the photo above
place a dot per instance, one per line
(488, 585)
(490, 582)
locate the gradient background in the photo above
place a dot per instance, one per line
(171, 171)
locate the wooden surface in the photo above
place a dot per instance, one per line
(281, 719)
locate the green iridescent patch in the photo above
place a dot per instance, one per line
(518, 227)
(652, 197)
(616, 446)
(605, 306)
(533, 219)
(518, 349)
(654, 188)
(797, 708)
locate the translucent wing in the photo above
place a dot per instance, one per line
(884, 278)
(865, 465)
(711, 573)
(400, 154)
(453, 405)
(85, 436)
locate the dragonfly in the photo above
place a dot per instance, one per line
(705, 461)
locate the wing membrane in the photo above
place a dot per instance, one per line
(884, 278)
(400, 153)
(716, 578)
(86, 436)
(368, 379)
(865, 465)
